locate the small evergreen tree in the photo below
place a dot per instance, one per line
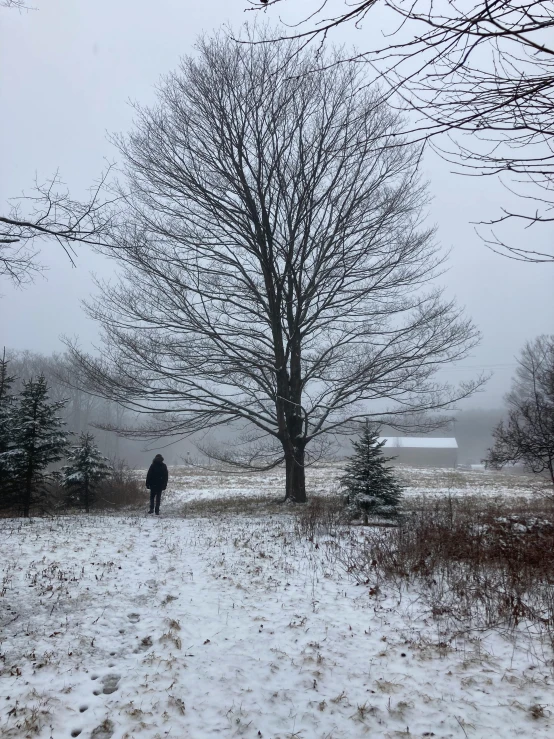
(87, 467)
(37, 439)
(371, 487)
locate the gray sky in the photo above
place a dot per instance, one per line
(68, 71)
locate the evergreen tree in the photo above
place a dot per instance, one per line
(6, 404)
(37, 439)
(371, 487)
(87, 467)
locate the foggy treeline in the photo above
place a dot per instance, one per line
(85, 412)
(472, 430)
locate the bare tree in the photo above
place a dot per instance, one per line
(484, 70)
(275, 269)
(528, 435)
(51, 213)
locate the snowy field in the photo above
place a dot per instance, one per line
(234, 626)
(194, 484)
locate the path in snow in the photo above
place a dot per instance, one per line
(141, 627)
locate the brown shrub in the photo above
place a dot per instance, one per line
(121, 490)
(476, 564)
(320, 515)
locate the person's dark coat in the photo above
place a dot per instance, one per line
(156, 479)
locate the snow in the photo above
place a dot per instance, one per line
(235, 627)
(416, 442)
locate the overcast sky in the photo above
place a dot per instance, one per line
(68, 71)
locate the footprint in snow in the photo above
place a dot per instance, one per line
(133, 617)
(110, 683)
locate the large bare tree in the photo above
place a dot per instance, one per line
(275, 269)
(481, 72)
(528, 435)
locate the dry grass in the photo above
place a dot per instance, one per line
(321, 515)
(476, 564)
(445, 479)
(121, 493)
(251, 505)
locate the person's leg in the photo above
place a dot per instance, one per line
(152, 496)
(158, 499)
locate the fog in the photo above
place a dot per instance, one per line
(69, 71)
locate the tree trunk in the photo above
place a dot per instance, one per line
(27, 495)
(86, 496)
(296, 475)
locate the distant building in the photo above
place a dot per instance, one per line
(421, 451)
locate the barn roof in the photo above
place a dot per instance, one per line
(413, 442)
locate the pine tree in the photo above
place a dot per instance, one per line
(87, 467)
(6, 406)
(37, 440)
(370, 486)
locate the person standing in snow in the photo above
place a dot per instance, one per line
(156, 482)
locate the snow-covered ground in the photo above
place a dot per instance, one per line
(133, 626)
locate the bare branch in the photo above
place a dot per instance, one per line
(17, 4)
(482, 72)
(51, 213)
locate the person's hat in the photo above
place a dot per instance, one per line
(158, 458)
